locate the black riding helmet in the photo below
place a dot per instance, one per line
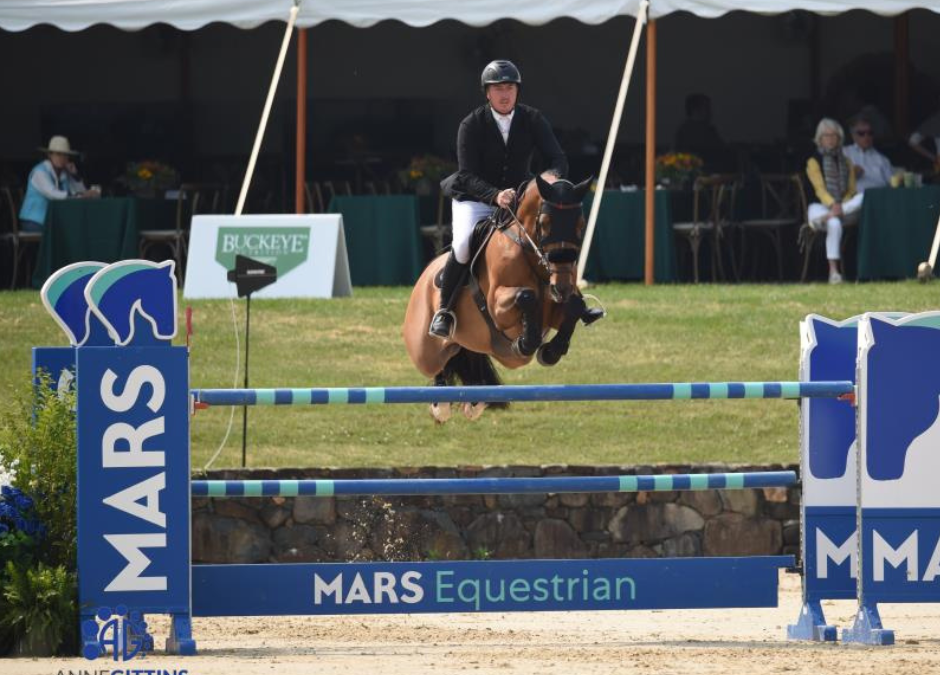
(500, 71)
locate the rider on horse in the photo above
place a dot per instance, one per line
(495, 144)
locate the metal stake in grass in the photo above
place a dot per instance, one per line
(925, 269)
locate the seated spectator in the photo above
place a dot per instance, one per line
(926, 140)
(833, 179)
(697, 135)
(872, 169)
(56, 177)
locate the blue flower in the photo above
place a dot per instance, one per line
(24, 503)
(10, 491)
(7, 511)
(20, 524)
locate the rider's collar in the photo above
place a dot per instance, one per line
(498, 116)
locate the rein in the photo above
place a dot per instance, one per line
(543, 260)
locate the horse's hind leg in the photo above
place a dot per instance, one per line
(551, 352)
(440, 411)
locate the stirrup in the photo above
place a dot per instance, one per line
(588, 310)
(453, 324)
(592, 314)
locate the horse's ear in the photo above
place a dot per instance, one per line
(582, 188)
(545, 188)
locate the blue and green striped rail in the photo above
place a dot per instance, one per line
(491, 486)
(524, 393)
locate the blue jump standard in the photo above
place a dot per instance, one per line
(482, 486)
(527, 393)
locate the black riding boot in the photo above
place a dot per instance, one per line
(452, 279)
(592, 314)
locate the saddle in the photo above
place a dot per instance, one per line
(500, 219)
(483, 231)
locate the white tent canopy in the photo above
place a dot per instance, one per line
(73, 15)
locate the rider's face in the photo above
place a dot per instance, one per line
(502, 96)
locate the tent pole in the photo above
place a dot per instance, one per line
(901, 75)
(611, 139)
(285, 43)
(650, 193)
(301, 149)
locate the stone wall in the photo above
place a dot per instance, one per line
(646, 524)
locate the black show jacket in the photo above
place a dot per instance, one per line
(487, 165)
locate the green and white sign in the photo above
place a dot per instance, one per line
(283, 247)
(308, 251)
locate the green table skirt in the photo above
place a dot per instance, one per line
(618, 251)
(896, 230)
(383, 238)
(105, 230)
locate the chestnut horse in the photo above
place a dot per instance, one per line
(525, 278)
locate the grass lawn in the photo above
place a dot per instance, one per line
(659, 334)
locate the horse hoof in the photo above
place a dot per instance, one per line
(472, 411)
(547, 356)
(440, 412)
(521, 351)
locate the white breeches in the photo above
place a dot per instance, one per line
(818, 218)
(465, 216)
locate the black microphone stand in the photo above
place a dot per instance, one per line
(249, 276)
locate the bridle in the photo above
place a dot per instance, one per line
(567, 248)
(565, 219)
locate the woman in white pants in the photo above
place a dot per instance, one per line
(832, 176)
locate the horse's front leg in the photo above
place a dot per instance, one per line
(550, 353)
(520, 305)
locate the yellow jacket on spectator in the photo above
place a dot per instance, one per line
(814, 172)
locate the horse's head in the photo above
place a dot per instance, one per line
(556, 223)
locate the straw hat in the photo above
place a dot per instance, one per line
(61, 145)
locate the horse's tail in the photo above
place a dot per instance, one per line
(473, 369)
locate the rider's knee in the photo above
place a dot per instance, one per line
(461, 250)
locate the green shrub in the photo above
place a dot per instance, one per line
(40, 610)
(38, 449)
(38, 582)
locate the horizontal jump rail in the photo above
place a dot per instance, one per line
(525, 393)
(489, 486)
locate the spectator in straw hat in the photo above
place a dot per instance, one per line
(53, 178)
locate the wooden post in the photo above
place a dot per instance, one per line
(301, 147)
(650, 151)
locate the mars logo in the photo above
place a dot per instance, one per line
(128, 301)
(829, 424)
(63, 295)
(828, 460)
(385, 587)
(135, 300)
(900, 455)
(902, 433)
